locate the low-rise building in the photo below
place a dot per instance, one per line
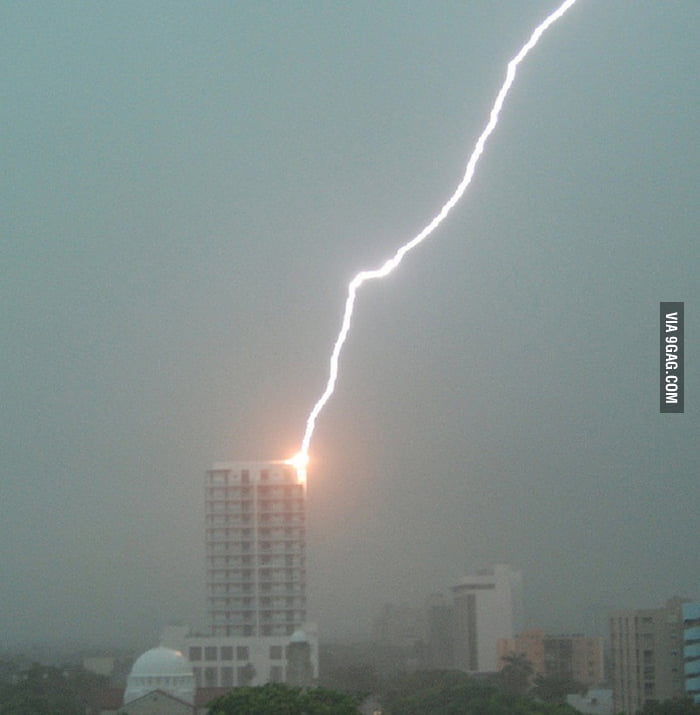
(574, 657)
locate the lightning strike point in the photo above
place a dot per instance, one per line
(299, 461)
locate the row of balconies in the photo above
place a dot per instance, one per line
(228, 590)
(267, 520)
(233, 631)
(276, 603)
(233, 493)
(248, 631)
(238, 618)
(247, 533)
(267, 504)
(223, 556)
(265, 560)
(283, 589)
(230, 576)
(279, 547)
(290, 575)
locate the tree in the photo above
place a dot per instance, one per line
(455, 693)
(516, 673)
(555, 688)
(44, 690)
(675, 706)
(359, 679)
(281, 699)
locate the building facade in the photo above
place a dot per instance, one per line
(574, 657)
(691, 649)
(255, 548)
(439, 627)
(229, 661)
(255, 541)
(486, 607)
(647, 655)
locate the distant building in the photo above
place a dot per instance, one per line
(439, 627)
(399, 627)
(575, 657)
(647, 655)
(101, 665)
(691, 649)
(529, 643)
(487, 606)
(594, 702)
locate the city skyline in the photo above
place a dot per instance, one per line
(187, 192)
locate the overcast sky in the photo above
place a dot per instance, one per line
(187, 188)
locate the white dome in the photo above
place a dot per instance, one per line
(298, 637)
(160, 669)
(161, 661)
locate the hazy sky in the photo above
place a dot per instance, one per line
(187, 189)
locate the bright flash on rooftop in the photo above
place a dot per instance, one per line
(299, 461)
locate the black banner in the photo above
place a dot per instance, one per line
(671, 357)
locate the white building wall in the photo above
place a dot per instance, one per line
(221, 661)
(487, 607)
(255, 538)
(256, 549)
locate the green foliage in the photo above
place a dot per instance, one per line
(516, 673)
(455, 693)
(356, 678)
(554, 688)
(675, 706)
(280, 699)
(43, 690)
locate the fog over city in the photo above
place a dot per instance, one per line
(187, 190)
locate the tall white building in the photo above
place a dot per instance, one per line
(255, 540)
(487, 606)
(256, 549)
(647, 655)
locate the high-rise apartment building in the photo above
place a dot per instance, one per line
(255, 542)
(487, 607)
(691, 649)
(255, 548)
(647, 655)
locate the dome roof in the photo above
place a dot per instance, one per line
(159, 662)
(160, 669)
(299, 637)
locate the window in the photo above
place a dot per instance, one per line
(245, 674)
(276, 674)
(210, 676)
(227, 654)
(210, 652)
(195, 653)
(275, 654)
(197, 672)
(242, 652)
(227, 677)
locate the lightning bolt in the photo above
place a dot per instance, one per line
(301, 459)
